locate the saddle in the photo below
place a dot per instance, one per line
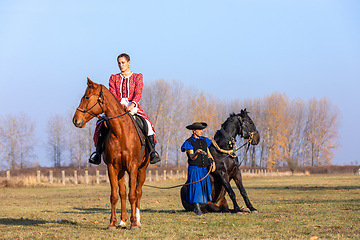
(141, 128)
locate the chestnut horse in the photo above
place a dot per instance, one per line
(227, 165)
(122, 150)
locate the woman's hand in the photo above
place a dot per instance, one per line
(131, 106)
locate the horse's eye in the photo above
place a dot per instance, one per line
(87, 97)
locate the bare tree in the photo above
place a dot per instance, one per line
(293, 146)
(321, 130)
(56, 144)
(18, 140)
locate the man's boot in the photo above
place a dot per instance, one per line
(154, 156)
(197, 209)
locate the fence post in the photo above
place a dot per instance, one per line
(86, 176)
(63, 177)
(8, 175)
(177, 174)
(51, 179)
(38, 176)
(171, 174)
(107, 176)
(97, 177)
(157, 175)
(164, 175)
(75, 177)
(149, 176)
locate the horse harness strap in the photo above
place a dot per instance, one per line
(232, 144)
(222, 150)
(232, 140)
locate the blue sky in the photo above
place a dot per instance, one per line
(232, 49)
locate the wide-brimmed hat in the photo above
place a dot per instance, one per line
(197, 125)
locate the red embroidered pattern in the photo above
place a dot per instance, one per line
(119, 87)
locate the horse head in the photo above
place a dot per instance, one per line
(90, 105)
(248, 128)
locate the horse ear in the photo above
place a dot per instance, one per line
(89, 82)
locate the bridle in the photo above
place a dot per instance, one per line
(99, 101)
(232, 140)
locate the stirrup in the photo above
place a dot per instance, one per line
(154, 157)
(96, 159)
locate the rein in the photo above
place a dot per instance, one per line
(99, 101)
(181, 185)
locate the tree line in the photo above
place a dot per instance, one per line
(293, 132)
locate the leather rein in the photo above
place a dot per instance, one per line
(99, 101)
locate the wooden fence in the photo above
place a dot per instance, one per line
(75, 178)
(152, 176)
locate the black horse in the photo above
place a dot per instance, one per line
(227, 165)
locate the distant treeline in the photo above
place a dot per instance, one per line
(293, 132)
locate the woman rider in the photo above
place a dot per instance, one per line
(127, 88)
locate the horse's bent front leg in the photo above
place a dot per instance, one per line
(122, 193)
(113, 196)
(224, 178)
(240, 186)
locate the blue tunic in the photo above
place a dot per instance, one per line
(198, 192)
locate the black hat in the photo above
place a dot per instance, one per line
(197, 125)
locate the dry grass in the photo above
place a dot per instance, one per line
(291, 207)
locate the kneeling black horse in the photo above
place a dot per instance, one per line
(227, 165)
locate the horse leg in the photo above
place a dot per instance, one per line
(240, 186)
(122, 193)
(114, 195)
(132, 197)
(140, 181)
(224, 178)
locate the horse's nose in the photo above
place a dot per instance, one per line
(256, 138)
(77, 123)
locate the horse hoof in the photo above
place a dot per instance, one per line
(240, 213)
(111, 228)
(245, 209)
(256, 212)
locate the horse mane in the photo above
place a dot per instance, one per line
(115, 100)
(231, 115)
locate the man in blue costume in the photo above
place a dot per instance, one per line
(199, 160)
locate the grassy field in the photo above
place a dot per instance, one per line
(296, 207)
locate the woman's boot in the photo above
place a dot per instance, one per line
(95, 157)
(154, 156)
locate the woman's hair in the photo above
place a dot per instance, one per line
(127, 57)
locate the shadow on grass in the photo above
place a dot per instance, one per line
(118, 211)
(89, 210)
(21, 221)
(306, 188)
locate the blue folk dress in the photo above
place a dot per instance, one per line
(198, 192)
